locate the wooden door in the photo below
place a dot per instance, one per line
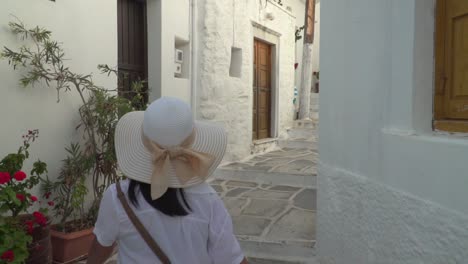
(132, 45)
(261, 91)
(451, 97)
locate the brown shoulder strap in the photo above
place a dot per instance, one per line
(141, 229)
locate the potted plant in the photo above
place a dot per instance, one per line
(73, 233)
(24, 236)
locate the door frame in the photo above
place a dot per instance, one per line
(271, 38)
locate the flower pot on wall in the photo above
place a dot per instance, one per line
(71, 246)
(40, 249)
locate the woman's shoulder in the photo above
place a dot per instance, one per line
(112, 189)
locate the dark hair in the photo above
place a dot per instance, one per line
(169, 203)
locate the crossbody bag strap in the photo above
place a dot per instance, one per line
(141, 229)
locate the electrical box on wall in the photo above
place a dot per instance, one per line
(177, 69)
(179, 56)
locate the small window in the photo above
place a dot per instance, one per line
(451, 66)
(235, 68)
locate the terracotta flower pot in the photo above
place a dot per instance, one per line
(71, 246)
(40, 249)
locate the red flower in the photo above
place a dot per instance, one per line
(51, 203)
(47, 195)
(40, 218)
(29, 226)
(20, 175)
(8, 255)
(20, 197)
(33, 198)
(4, 177)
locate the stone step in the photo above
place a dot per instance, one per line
(277, 253)
(306, 123)
(314, 114)
(263, 146)
(297, 143)
(301, 132)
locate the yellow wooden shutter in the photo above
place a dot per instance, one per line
(451, 93)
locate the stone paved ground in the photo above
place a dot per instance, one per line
(286, 160)
(270, 215)
(290, 166)
(262, 212)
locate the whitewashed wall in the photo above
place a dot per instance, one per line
(229, 100)
(168, 24)
(88, 31)
(390, 189)
(298, 9)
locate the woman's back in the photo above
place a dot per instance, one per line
(204, 236)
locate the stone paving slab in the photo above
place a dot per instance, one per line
(286, 160)
(275, 213)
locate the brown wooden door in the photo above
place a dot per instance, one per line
(132, 45)
(261, 91)
(452, 60)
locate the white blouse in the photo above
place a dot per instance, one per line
(204, 236)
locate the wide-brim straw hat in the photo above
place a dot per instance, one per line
(167, 125)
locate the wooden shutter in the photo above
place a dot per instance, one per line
(451, 92)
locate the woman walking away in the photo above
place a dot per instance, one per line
(166, 212)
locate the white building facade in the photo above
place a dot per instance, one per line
(390, 188)
(215, 82)
(222, 97)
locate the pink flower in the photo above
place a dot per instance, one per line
(47, 195)
(51, 203)
(4, 177)
(20, 197)
(20, 175)
(8, 255)
(33, 198)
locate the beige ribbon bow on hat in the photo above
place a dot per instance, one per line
(188, 163)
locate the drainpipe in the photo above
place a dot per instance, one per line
(193, 56)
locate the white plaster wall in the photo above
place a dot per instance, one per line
(298, 9)
(167, 20)
(361, 221)
(388, 184)
(88, 31)
(229, 100)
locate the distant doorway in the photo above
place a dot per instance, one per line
(261, 90)
(132, 45)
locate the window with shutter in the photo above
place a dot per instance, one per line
(451, 66)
